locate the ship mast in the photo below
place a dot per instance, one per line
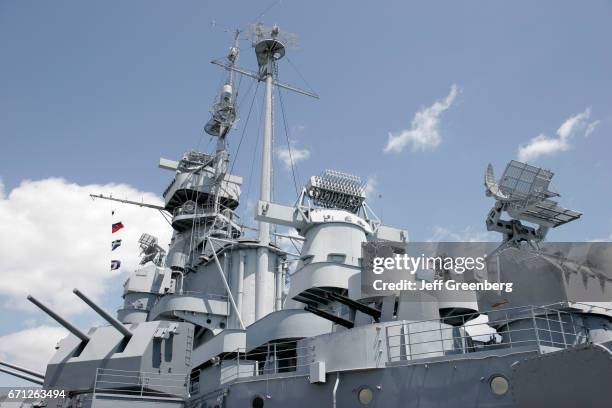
(227, 92)
(268, 51)
(270, 45)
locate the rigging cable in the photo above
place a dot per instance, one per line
(253, 159)
(293, 169)
(244, 128)
(300, 74)
(267, 9)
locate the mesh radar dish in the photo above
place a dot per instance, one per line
(333, 189)
(150, 250)
(258, 32)
(270, 44)
(523, 192)
(147, 241)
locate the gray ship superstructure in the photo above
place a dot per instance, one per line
(211, 323)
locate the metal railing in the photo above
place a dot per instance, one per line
(203, 295)
(519, 329)
(140, 384)
(515, 327)
(273, 358)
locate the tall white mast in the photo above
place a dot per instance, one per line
(269, 48)
(268, 51)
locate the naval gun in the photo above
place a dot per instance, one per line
(67, 325)
(104, 314)
(151, 357)
(23, 373)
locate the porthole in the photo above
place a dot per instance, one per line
(258, 402)
(499, 385)
(365, 396)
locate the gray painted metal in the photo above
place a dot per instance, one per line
(113, 322)
(22, 369)
(72, 329)
(211, 325)
(23, 376)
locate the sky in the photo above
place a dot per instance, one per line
(416, 98)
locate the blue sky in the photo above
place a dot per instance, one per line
(96, 92)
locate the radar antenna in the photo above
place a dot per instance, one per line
(336, 190)
(333, 189)
(150, 250)
(523, 193)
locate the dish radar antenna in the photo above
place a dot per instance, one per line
(523, 193)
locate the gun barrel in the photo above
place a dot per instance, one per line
(25, 370)
(59, 319)
(23, 376)
(114, 322)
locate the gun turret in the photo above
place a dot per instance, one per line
(114, 322)
(60, 319)
(24, 370)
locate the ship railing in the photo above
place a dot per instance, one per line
(284, 358)
(193, 293)
(203, 295)
(205, 210)
(140, 383)
(545, 328)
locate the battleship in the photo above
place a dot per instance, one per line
(222, 319)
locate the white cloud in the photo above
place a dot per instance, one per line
(298, 155)
(468, 234)
(55, 238)
(370, 187)
(287, 244)
(543, 145)
(424, 132)
(31, 348)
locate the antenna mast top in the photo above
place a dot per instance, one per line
(269, 44)
(224, 110)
